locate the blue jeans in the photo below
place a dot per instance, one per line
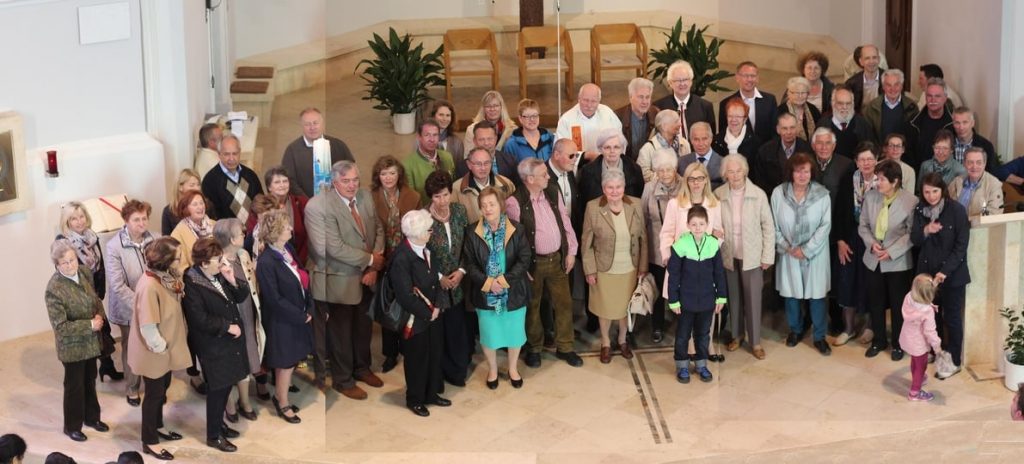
(795, 317)
(699, 325)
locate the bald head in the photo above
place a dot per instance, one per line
(589, 99)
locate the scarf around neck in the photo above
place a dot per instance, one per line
(86, 247)
(495, 240)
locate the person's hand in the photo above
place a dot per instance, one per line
(456, 278)
(228, 271)
(884, 256)
(592, 279)
(797, 253)
(570, 261)
(718, 233)
(369, 278)
(932, 227)
(765, 266)
(496, 288)
(97, 323)
(308, 318)
(677, 310)
(235, 330)
(939, 278)
(844, 251)
(378, 260)
(434, 314)
(876, 248)
(718, 308)
(446, 283)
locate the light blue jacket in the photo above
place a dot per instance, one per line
(806, 225)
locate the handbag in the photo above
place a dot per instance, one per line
(106, 340)
(641, 303)
(384, 308)
(944, 363)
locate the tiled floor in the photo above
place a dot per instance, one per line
(795, 406)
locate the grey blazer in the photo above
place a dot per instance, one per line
(338, 251)
(897, 237)
(714, 166)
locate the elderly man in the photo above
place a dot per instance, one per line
(692, 108)
(466, 190)
(894, 109)
(210, 136)
(866, 83)
(309, 158)
(892, 149)
(540, 210)
(850, 128)
(932, 118)
(928, 71)
(638, 116)
(942, 160)
(584, 121)
(967, 137)
(700, 139)
(766, 169)
(230, 187)
(426, 159)
(763, 107)
(346, 245)
(980, 192)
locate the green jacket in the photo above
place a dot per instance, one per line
(71, 307)
(417, 169)
(696, 276)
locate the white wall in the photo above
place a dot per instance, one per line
(1010, 143)
(264, 25)
(63, 90)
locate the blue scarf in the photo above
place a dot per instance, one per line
(495, 240)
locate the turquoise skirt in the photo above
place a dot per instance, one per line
(505, 330)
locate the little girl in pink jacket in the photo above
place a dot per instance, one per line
(919, 333)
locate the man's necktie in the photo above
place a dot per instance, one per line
(683, 130)
(357, 217)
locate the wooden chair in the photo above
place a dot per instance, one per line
(544, 37)
(463, 40)
(617, 34)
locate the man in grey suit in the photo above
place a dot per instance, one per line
(346, 242)
(700, 139)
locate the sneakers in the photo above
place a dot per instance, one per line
(920, 396)
(705, 374)
(842, 339)
(683, 375)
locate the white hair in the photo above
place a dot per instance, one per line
(416, 223)
(823, 131)
(666, 117)
(678, 65)
(639, 83)
(665, 158)
(609, 133)
(739, 160)
(894, 72)
(611, 175)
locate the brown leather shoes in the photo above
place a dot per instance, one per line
(606, 354)
(370, 379)
(734, 344)
(759, 352)
(354, 392)
(627, 352)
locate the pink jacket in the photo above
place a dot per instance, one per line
(918, 332)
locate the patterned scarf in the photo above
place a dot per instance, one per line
(674, 143)
(170, 280)
(495, 240)
(933, 212)
(203, 230)
(86, 248)
(861, 188)
(392, 226)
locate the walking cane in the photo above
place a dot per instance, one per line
(718, 330)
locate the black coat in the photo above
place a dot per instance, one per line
(827, 86)
(208, 315)
(946, 250)
(857, 131)
(767, 169)
(748, 147)
(406, 271)
(577, 206)
(284, 308)
(590, 179)
(766, 111)
(518, 257)
(697, 110)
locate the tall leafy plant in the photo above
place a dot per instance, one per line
(400, 74)
(701, 55)
(1014, 343)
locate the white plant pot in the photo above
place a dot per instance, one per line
(1014, 375)
(405, 123)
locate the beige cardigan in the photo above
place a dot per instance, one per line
(758, 233)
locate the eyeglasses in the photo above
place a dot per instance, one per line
(696, 179)
(894, 145)
(679, 81)
(530, 116)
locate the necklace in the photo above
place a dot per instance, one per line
(441, 217)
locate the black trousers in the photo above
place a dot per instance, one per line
(658, 312)
(457, 349)
(349, 330)
(80, 403)
(389, 343)
(886, 290)
(153, 407)
(422, 364)
(951, 301)
(216, 400)
(320, 351)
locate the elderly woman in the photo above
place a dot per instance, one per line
(795, 103)
(615, 254)
(493, 110)
(657, 193)
(530, 140)
(194, 225)
(230, 235)
(942, 161)
(666, 135)
(612, 144)
(444, 113)
(738, 136)
(188, 179)
(941, 231)
(392, 198)
(76, 228)
(813, 66)
(287, 308)
(886, 219)
(497, 257)
(76, 314)
(126, 263)
(803, 219)
(279, 190)
(748, 249)
(212, 298)
(157, 337)
(445, 246)
(414, 276)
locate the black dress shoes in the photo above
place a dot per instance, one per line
(76, 435)
(516, 383)
(657, 336)
(492, 384)
(389, 363)
(792, 339)
(897, 354)
(98, 426)
(228, 432)
(873, 351)
(419, 410)
(134, 402)
(232, 418)
(222, 444)
(169, 436)
(571, 358)
(163, 455)
(442, 402)
(823, 347)
(293, 389)
(533, 360)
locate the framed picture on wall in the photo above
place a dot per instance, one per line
(14, 190)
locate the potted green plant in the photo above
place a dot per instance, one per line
(701, 55)
(1013, 345)
(398, 77)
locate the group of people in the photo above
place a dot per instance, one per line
(489, 238)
